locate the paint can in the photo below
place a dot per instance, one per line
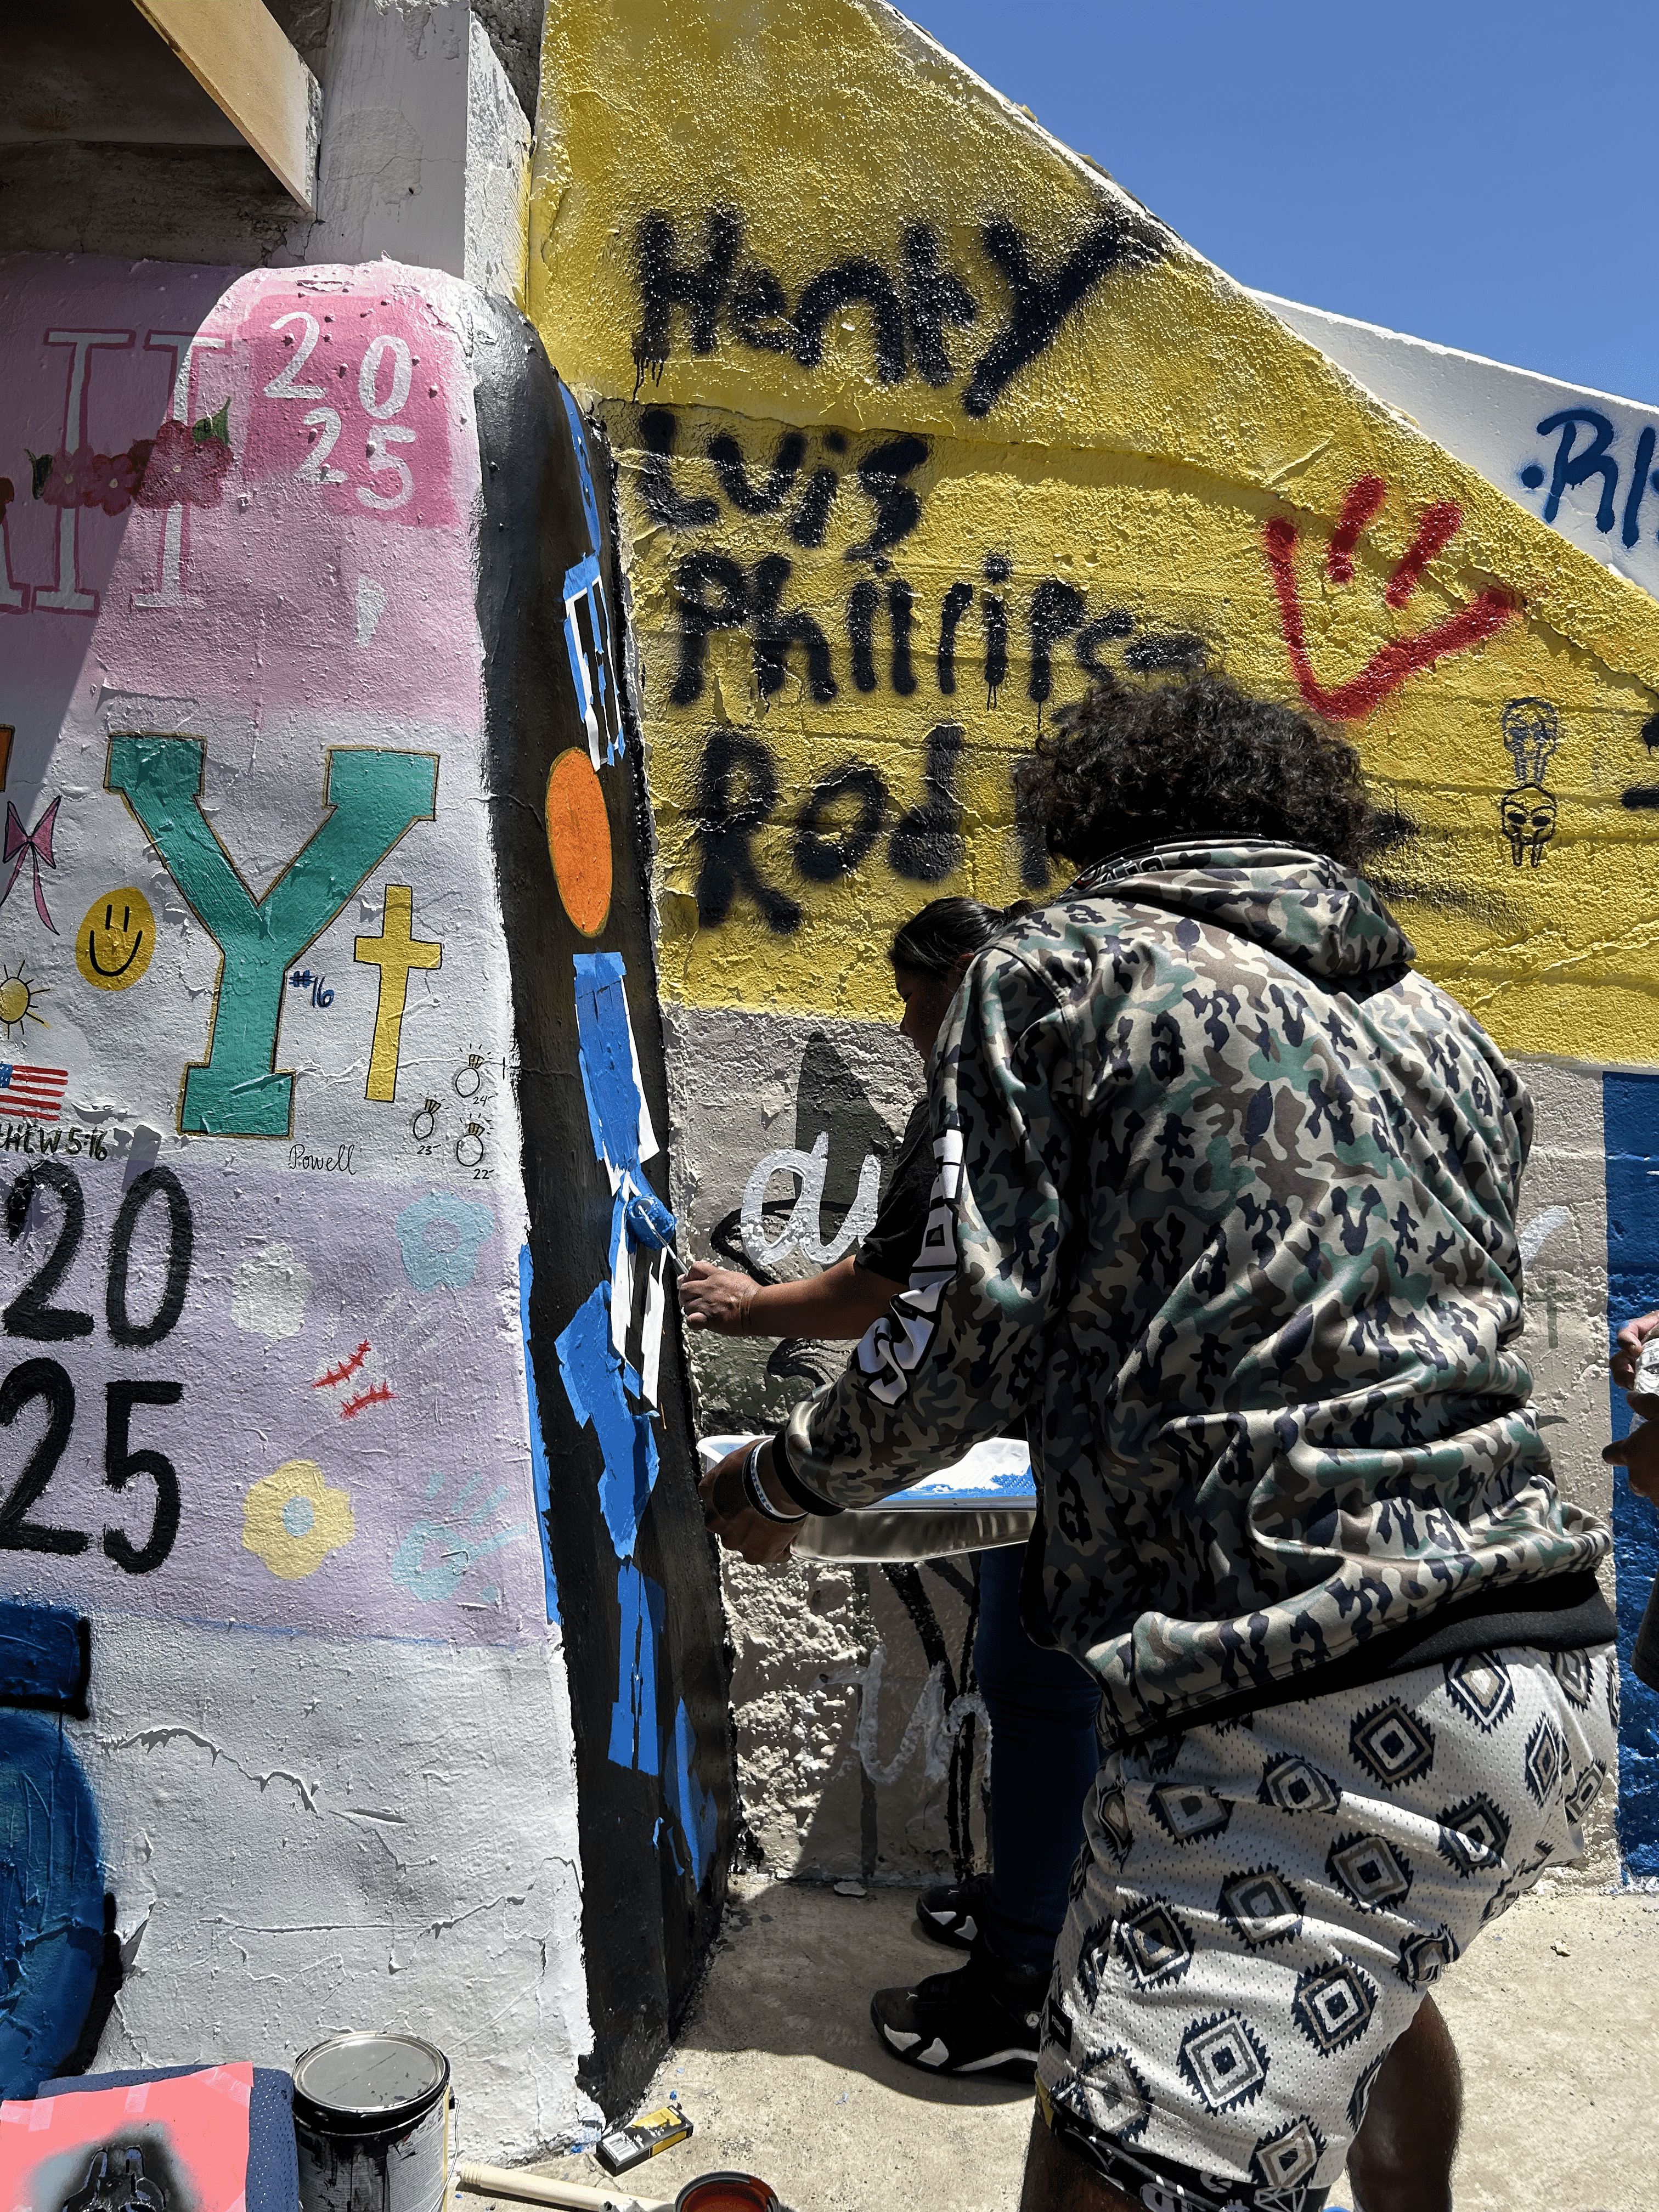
(727, 2192)
(371, 2124)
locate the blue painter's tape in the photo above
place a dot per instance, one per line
(607, 1059)
(538, 1467)
(51, 1902)
(1630, 1106)
(44, 1657)
(592, 1375)
(693, 1806)
(592, 654)
(634, 1715)
(573, 415)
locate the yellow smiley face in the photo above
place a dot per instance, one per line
(115, 939)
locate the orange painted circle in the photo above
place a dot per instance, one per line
(578, 840)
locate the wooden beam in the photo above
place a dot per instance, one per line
(237, 52)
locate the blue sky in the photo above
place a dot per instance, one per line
(1483, 173)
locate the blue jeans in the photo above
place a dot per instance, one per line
(1044, 1758)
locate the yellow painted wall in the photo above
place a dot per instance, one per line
(1140, 456)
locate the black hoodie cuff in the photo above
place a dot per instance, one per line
(788, 1480)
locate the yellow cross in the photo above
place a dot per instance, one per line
(394, 953)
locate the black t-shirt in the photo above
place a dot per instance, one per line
(891, 1246)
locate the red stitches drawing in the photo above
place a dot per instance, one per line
(378, 1393)
(356, 1381)
(332, 1377)
(1389, 667)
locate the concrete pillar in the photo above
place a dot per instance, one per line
(425, 148)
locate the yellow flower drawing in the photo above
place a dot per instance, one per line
(293, 1520)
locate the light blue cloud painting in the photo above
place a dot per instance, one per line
(440, 1237)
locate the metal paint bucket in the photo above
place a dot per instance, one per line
(370, 2123)
(726, 2192)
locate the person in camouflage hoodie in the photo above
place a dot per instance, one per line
(1226, 1201)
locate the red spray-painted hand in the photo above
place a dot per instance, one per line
(1389, 667)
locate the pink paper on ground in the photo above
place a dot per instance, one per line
(192, 2132)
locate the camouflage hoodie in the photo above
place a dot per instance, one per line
(1226, 1198)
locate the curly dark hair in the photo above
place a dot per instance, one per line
(1133, 763)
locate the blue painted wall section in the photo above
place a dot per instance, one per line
(607, 1059)
(601, 1389)
(634, 1720)
(589, 643)
(52, 1875)
(693, 1806)
(1631, 1109)
(593, 1376)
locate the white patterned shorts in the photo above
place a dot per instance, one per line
(1260, 1905)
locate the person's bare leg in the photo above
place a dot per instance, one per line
(1400, 2161)
(1401, 2158)
(1058, 2180)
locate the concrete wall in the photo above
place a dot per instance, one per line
(423, 154)
(305, 594)
(920, 422)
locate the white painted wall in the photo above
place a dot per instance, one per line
(1490, 415)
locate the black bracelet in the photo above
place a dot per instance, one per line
(752, 1490)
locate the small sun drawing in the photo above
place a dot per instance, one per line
(17, 998)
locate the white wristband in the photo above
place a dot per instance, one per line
(756, 1496)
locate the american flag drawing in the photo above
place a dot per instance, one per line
(34, 1093)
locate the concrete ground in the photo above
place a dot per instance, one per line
(1556, 2014)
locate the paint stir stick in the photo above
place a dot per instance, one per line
(543, 2189)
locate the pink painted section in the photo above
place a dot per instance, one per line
(297, 579)
(315, 532)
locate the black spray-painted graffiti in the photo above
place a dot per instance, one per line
(1532, 730)
(883, 620)
(911, 307)
(881, 476)
(843, 815)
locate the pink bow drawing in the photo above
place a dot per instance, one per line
(33, 845)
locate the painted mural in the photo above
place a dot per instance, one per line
(910, 446)
(275, 1503)
(648, 1663)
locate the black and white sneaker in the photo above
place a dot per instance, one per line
(954, 1913)
(982, 2019)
